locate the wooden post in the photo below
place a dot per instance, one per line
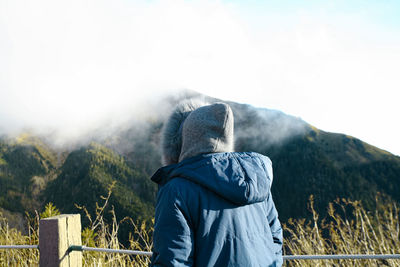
(56, 235)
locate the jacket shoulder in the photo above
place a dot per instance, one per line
(255, 155)
(259, 159)
(179, 187)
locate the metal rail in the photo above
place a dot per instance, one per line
(108, 250)
(285, 257)
(19, 247)
(342, 257)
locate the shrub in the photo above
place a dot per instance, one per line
(348, 229)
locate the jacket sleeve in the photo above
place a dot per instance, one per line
(272, 213)
(173, 237)
(275, 226)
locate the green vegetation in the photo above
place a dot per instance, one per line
(26, 164)
(306, 161)
(99, 233)
(348, 229)
(328, 171)
(88, 173)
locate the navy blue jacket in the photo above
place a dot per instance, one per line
(216, 210)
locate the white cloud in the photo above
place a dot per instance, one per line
(67, 65)
(73, 62)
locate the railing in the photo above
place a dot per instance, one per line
(343, 257)
(19, 247)
(60, 245)
(285, 257)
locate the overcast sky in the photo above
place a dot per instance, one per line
(69, 64)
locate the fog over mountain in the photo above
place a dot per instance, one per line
(36, 169)
(108, 123)
(67, 68)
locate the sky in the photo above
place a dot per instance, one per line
(67, 66)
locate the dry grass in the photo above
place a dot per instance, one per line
(348, 229)
(99, 233)
(103, 235)
(20, 257)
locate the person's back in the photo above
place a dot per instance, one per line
(214, 206)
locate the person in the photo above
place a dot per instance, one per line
(214, 206)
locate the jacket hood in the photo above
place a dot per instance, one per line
(171, 136)
(241, 178)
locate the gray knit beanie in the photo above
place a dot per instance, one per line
(171, 135)
(208, 129)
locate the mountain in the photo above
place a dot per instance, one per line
(306, 161)
(331, 166)
(26, 166)
(87, 174)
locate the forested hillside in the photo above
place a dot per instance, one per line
(306, 161)
(87, 174)
(27, 164)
